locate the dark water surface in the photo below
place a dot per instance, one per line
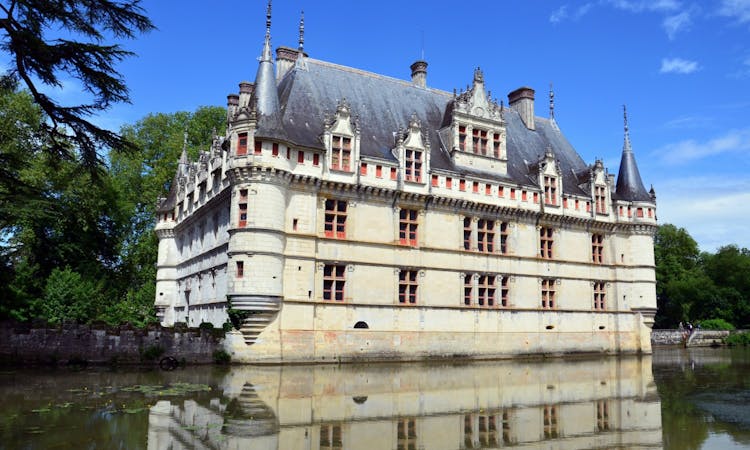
(675, 399)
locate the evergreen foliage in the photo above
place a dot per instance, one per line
(48, 38)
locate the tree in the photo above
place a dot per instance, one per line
(676, 255)
(142, 176)
(46, 38)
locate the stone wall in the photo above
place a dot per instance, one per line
(702, 338)
(30, 344)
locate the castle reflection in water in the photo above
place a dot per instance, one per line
(603, 403)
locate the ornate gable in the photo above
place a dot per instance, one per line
(478, 129)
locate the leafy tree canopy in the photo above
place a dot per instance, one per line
(46, 38)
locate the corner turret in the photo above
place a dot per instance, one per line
(629, 184)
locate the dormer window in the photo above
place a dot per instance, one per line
(462, 138)
(550, 190)
(242, 144)
(497, 145)
(479, 141)
(413, 169)
(341, 153)
(600, 199)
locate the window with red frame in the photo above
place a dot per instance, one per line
(363, 169)
(407, 287)
(479, 141)
(241, 144)
(467, 233)
(504, 232)
(546, 242)
(341, 153)
(600, 199)
(486, 235)
(275, 149)
(393, 173)
(240, 269)
(407, 229)
(242, 206)
(550, 191)
(468, 290)
(334, 282)
(504, 290)
(435, 181)
(496, 145)
(258, 147)
(600, 295)
(413, 169)
(316, 159)
(462, 138)
(597, 248)
(300, 157)
(486, 291)
(335, 219)
(548, 293)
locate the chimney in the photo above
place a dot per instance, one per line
(233, 100)
(419, 73)
(246, 91)
(285, 58)
(522, 100)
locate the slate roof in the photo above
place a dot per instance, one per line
(629, 184)
(382, 105)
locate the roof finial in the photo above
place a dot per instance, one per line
(302, 31)
(626, 146)
(551, 102)
(267, 42)
(183, 155)
(268, 20)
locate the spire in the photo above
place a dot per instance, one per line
(183, 155)
(266, 56)
(629, 184)
(266, 93)
(626, 144)
(551, 103)
(302, 32)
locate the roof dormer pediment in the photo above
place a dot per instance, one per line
(477, 101)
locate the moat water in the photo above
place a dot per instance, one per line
(674, 399)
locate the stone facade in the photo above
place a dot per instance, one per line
(355, 216)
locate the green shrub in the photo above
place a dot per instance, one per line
(222, 357)
(152, 352)
(716, 324)
(738, 339)
(227, 326)
(206, 326)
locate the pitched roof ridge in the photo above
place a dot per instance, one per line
(370, 74)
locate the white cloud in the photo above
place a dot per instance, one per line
(686, 122)
(678, 65)
(676, 23)
(645, 5)
(738, 10)
(563, 13)
(560, 14)
(689, 150)
(714, 209)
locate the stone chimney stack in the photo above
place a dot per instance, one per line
(246, 91)
(419, 73)
(233, 101)
(522, 100)
(285, 58)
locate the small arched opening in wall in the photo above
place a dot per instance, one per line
(362, 325)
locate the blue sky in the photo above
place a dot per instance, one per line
(682, 68)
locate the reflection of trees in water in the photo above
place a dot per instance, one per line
(711, 386)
